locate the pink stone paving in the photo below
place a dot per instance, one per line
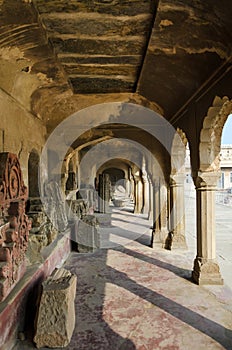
(135, 297)
(138, 298)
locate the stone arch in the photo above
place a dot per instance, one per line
(119, 163)
(118, 173)
(210, 137)
(134, 120)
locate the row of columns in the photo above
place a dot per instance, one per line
(169, 222)
(165, 206)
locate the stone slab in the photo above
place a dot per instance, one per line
(56, 315)
(87, 234)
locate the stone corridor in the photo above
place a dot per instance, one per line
(101, 98)
(135, 297)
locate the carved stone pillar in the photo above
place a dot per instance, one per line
(71, 183)
(104, 193)
(151, 201)
(160, 231)
(138, 195)
(156, 214)
(177, 212)
(63, 181)
(145, 208)
(206, 269)
(101, 194)
(163, 212)
(132, 188)
(127, 185)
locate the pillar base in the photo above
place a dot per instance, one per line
(175, 241)
(206, 272)
(159, 237)
(179, 241)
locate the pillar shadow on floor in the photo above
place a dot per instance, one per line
(145, 240)
(92, 332)
(179, 271)
(210, 328)
(91, 327)
(126, 221)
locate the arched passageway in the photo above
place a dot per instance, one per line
(160, 172)
(152, 144)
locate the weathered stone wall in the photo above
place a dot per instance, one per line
(20, 131)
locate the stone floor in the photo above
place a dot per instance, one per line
(135, 297)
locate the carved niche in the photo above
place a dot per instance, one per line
(14, 223)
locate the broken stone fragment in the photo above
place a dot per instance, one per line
(56, 315)
(36, 243)
(87, 235)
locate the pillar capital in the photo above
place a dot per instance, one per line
(145, 178)
(144, 173)
(177, 179)
(136, 177)
(207, 180)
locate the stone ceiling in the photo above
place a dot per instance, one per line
(101, 44)
(166, 51)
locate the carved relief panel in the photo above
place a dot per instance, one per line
(14, 223)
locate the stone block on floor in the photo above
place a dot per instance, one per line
(56, 315)
(104, 220)
(87, 234)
